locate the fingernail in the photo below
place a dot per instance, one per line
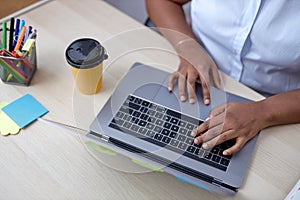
(206, 101)
(207, 119)
(205, 146)
(196, 141)
(170, 89)
(192, 100)
(225, 153)
(182, 98)
(193, 133)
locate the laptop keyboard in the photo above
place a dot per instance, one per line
(167, 128)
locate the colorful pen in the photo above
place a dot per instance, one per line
(11, 34)
(16, 32)
(22, 23)
(20, 39)
(4, 35)
(28, 29)
(4, 46)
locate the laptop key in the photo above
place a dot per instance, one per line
(174, 121)
(216, 158)
(153, 106)
(182, 131)
(158, 137)
(151, 112)
(161, 109)
(215, 150)
(189, 140)
(134, 106)
(151, 119)
(127, 125)
(181, 138)
(174, 113)
(150, 134)
(159, 115)
(182, 123)
(201, 153)
(166, 140)
(150, 126)
(130, 98)
(167, 125)
(134, 128)
(137, 101)
(142, 123)
(143, 131)
(157, 129)
(174, 128)
(207, 155)
(145, 103)
(134, 120)
(172, 134)
(225, 161)
(182, 146)
(174, 142)
(166, 118)
(144, 110)
(118, 121)
(191, 149)
(165, 132)
(159, 122)
(136, 114)
(120, 114)
(190, 126)
(144, 117)
(127, 117)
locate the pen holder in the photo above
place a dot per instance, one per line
(18, 70)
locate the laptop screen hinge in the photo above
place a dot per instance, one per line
(220, 183)
(104, 137)
(217, 182)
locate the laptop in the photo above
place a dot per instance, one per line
(144, 121)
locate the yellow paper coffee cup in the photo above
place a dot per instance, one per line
(86, 56)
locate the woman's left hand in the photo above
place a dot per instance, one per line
(235, 120)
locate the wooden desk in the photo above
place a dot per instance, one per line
(44, 162)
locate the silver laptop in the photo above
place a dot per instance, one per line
(142, 119)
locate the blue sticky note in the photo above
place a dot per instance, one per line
(24, 110)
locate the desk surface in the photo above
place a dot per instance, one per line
(45, 162)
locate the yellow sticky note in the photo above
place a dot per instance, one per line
(7, 125)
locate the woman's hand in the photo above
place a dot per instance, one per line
(239, 121)
(195, 64)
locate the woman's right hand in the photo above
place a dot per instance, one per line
(195, 64)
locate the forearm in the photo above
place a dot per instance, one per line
(168, 16)
(280, 109)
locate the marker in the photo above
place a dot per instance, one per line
(22, 23)
(11, 34)
(4, 47)
(28, 30)
(21, 37)
(15, 39)
(4, 35)
(33, 34)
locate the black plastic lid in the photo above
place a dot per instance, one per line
(85, 53)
